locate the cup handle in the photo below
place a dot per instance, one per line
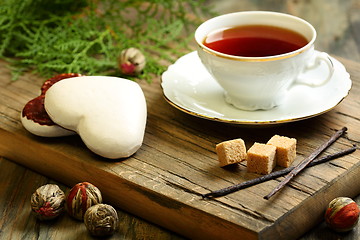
(320, 57)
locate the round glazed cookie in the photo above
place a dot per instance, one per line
(108, 113)
(35, 119)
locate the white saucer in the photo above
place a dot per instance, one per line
(189, 87)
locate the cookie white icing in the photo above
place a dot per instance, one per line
(35, 119)
(108, 113)
(44, 130)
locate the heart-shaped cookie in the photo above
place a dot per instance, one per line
(34, 117)
(108, 113)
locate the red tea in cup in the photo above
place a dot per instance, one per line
(255, 41)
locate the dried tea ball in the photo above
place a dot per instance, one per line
(80, 198)
(342, 214)
(101, 220)
(47, 202)
(131, 61)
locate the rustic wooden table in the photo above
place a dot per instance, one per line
(338, 26)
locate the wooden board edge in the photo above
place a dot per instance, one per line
(314, 205)
(144, 203)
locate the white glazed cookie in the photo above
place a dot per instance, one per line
(44, 130)
(34, 117)
(108, 113)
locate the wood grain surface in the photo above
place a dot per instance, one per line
(177, 144)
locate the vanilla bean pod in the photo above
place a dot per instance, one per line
(273, 175)
(305, 162)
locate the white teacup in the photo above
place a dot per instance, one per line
(252, 83)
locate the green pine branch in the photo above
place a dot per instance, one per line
(86, 36)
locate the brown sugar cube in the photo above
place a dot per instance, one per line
(261, 158)
(230, 152)
(285, 150)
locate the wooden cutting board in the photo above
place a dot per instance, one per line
(164, 180)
